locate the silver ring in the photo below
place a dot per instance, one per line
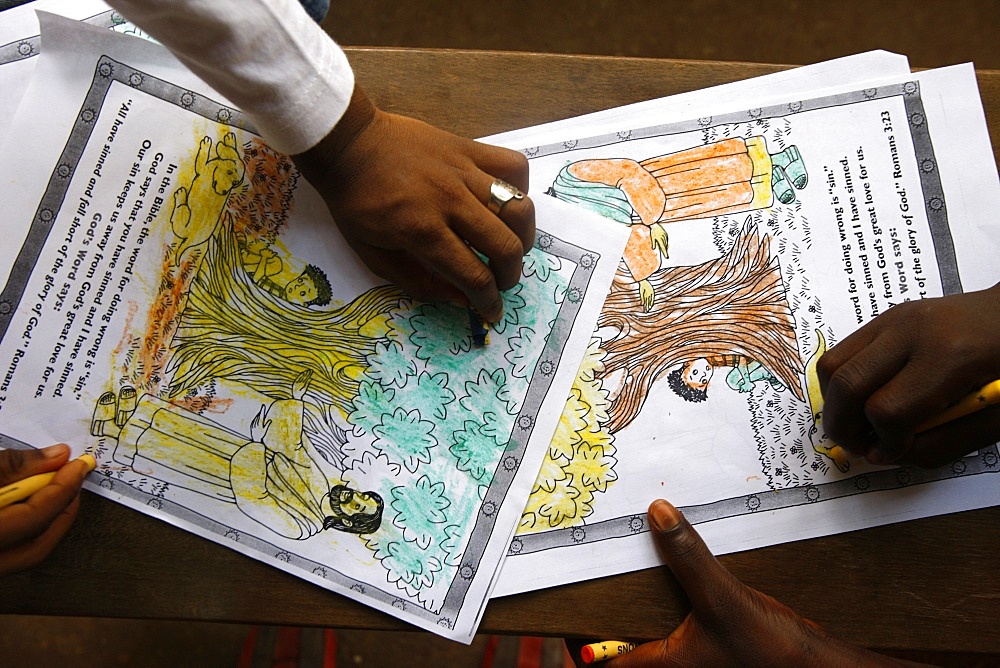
(501, 192)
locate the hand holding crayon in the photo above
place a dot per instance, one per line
(39, 499)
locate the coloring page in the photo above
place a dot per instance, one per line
(20, 43)
(759, 238)
(839, 74)
(178, 303)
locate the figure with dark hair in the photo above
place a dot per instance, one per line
(686, 383)
(274, 477)
(730, 307)
(354, 512)
(320, 285)
(310, 288)
(262, 264)
(690, 381)
(277, 481)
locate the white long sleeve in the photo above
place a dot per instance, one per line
(266, 56)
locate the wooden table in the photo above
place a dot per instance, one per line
(926, 585)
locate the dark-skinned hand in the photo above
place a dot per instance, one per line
(411, 201)
(730, 624)
(881, 383)
(29, 530)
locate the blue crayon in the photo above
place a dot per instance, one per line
(480, 333)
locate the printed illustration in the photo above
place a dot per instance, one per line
(726, 176)
(757, 242)
(274, 476)
(198, 207)
(195, 315)
(379, 417)
(673, 323)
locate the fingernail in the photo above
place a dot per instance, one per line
(57, 450)
(663, 516)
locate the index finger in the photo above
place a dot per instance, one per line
(850, 373)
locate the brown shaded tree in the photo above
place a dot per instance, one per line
(732, 305)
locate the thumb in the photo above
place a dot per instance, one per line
(706, 582)
(17, 465)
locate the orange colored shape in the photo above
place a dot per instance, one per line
(640, 256)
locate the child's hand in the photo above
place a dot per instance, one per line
(730, 623)
(906, 366)
(29, 530)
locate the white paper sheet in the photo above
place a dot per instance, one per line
(827, 75)
(20, 44)
(914, 153)
(147, 318)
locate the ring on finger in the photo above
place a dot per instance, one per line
(502, 192)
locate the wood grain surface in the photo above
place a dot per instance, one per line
(930, 584)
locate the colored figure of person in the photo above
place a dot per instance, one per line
(258, 258)
(278, 482)
(691, 380)
(274, 477)
(728, 176)
(262, 264)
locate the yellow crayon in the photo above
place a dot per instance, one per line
(22, 489)
(987, 396)
(602, 651)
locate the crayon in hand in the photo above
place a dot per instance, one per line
(22, 489)
(988, 395)
(602, 651)
(480, 333)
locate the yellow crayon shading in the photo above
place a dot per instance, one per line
(22, 489)
(602, 651)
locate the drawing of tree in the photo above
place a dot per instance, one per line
(259, 208)
(733, 305)
(406, 437)
(389, 366)
(232, 329)
(400, 398)
(475, 451)
(369, 405)
(420, 511)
